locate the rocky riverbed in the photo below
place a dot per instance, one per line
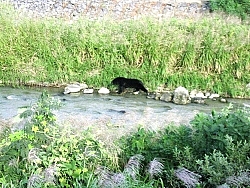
(116, 9)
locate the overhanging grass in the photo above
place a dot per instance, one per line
(209, 54)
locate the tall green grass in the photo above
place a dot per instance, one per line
(209, 54)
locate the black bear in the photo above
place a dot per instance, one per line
(128, 83)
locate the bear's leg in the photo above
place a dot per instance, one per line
(120, 89)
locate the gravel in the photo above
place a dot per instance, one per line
(115, 9)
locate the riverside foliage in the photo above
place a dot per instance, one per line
(210, 54)
(213, 150)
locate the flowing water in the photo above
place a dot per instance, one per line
(108, 113)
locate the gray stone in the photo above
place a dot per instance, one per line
(214, 96)
(103, 90)
(88, 91)
(167, 96)
(181, 96)
(223, 100)
(157, 96)
(198, 100)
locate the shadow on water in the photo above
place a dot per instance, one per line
(116, 111)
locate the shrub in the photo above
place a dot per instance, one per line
(237, 7)
(209, 131)
(218, 167)
(43, 154)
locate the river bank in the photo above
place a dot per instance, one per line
(210, 54)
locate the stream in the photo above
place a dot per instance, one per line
(113, 113)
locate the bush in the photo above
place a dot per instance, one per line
(209, 131)
(214, 147)
(240, 8)
(43, 154)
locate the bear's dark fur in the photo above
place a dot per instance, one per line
(124, 83)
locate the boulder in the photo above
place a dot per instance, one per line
(198, 100)
(157, 96)
(214, 96)
(74, 88)
(193, 93)
(88, 91)
(181, 96)
(167, 96)
(223, 100)
(103, 90)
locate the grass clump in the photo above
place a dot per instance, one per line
(209, 54)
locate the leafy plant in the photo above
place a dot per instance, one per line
(217, 167)
(237, 7)
(209, 131)
(43, 154)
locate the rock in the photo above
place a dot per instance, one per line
(75, 88)
(167, 96)
(83, 86)
(197, 94)
(88, 91)
(223, 100)
(213, 96)
(193, 93)
(181, 96)
(200, 95)
(72, 88)
(103, 90)
(157, 96)
(136, 92)
(151, 96)
(207, 94)
(198, 100)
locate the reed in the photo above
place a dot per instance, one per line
(210, 54)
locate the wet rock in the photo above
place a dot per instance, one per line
(193, 93)
(214, 96)
(88, 91)
(207, 94)
(157, 96)
(198, 100)
(200, 95)
(223, 100)
(151, 95)
(75, 88)
(136, 92)
(181, 96)
(167, 96)
(72, 88)
(103, 90)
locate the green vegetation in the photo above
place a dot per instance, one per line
(213, 150)
(240, 8)
(209, 54)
